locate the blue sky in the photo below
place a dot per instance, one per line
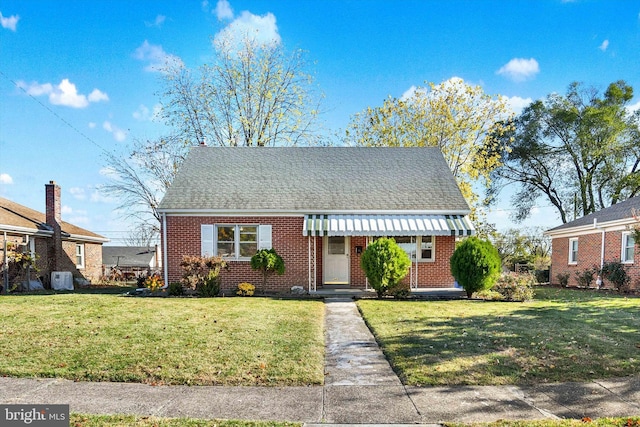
(88, 69)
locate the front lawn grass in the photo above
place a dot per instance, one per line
(86, 420)
(217, 341)
(564, 335)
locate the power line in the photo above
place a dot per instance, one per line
(62, 119)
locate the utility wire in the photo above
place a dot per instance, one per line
(59, 117)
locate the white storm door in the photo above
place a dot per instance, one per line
(336, 260)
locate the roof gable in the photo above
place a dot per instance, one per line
(314, 179)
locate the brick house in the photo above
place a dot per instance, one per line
(318, 207)
(594, 239)
(56, 244)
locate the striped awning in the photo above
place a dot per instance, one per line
(387, 225)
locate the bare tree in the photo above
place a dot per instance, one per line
(143, 234)
(254, 94)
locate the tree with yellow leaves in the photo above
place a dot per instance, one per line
(460, 119)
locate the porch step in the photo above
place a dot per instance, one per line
(332, 287)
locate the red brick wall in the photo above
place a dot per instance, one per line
(92, 260)
(45, 263)
(437, 274)
(589, 256)
(183, 238)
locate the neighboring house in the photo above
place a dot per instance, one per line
(131, 261)
(594, 239)
(318, 207)
(57, 245)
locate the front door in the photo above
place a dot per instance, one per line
(336, 260)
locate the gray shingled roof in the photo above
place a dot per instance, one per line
(13, 214)
(621, 210)
(314, 179)
(127, 256)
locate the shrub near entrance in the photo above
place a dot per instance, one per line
(475, 264)
(385, 265)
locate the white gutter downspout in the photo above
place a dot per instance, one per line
(165, 265)
(599, 279)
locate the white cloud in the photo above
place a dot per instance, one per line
(65, 93)
(205, 5)
(36, 89)
(262, 29)
(92, 125)
(66, 210)
(223, 10)
(10, 23)
(157, 58)
(143, 113)
(78, 193)
(633, 107)
(5, 178)
(451, 81)
(108, 171)
(520, 69)
(118, 134)
(156, 22)
(605, 44)
(97, 96)
(517, 104)
(99, 197)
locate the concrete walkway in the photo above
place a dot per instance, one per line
(360, 387)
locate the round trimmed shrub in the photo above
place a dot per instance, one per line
(385, 264)
(475, 264)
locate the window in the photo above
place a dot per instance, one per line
(225, 242)
(573, 250)
(80, 255)
(336, 245)
(234, 241)
(422, 247)
(628, 248)
(426, 248)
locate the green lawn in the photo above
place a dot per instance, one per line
(564, 335)
(85, 420)
(197, 341)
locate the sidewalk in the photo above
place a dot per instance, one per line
(360, 387)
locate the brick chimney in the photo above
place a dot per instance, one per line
(53, 218)
(53, 204)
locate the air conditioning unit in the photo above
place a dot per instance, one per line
(61, 280)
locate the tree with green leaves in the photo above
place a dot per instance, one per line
(268, 262)
(460, 119)
(579, 152)
(523, 246)
(385, 264)
(475, 264)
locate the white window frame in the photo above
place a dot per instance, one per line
(626, 236)
(433, 249)
(80, 255)
(573, 259)
(209, 239)
(416, 254)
